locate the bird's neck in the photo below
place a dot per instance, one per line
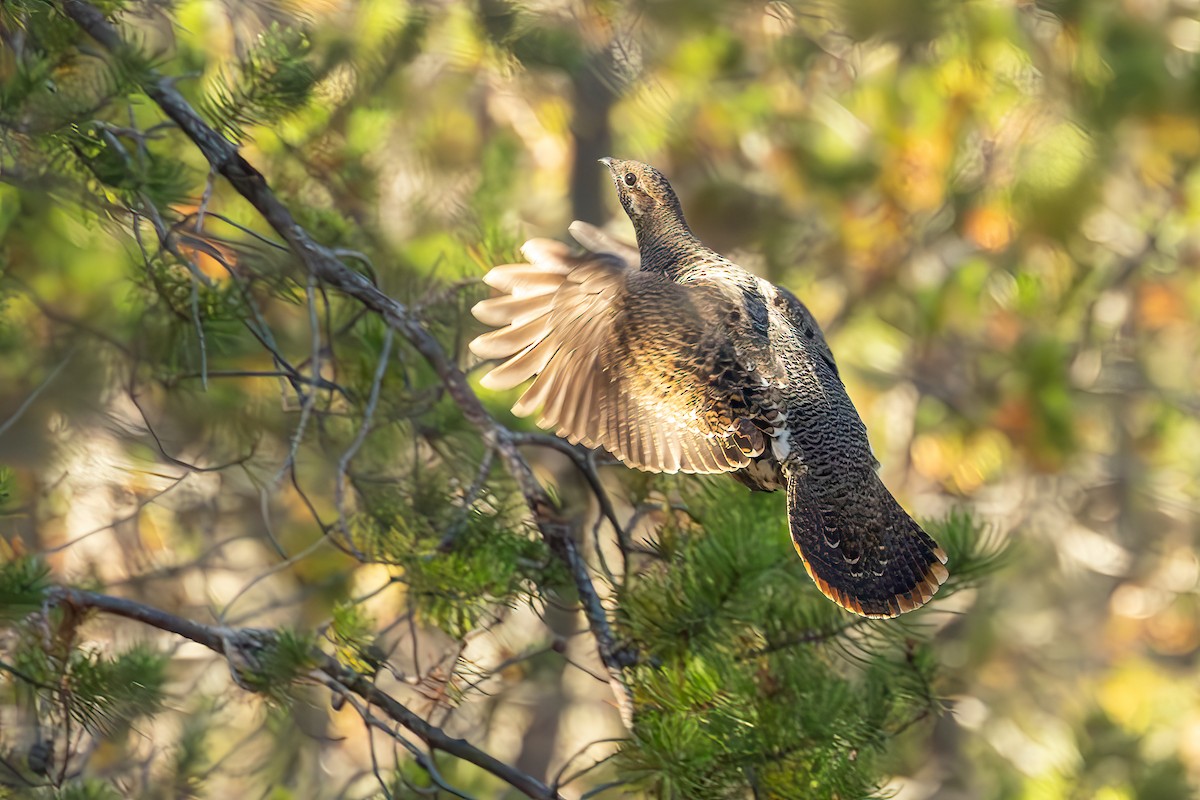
(665, 240)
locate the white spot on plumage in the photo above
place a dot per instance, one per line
(781, 448)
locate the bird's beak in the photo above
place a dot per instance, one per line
(606, 161)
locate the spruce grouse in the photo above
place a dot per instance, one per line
(674, 359)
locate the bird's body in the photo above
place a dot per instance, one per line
(674, 359)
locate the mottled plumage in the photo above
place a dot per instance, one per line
(674, 359)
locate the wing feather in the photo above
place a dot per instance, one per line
(597, 241)
(520, 367)
(503, 342)
(509, 310)
(568, 322)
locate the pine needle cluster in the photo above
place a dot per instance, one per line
(750, 680)
(274, 79)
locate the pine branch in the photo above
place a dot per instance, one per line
(232, 642)
(323, 263)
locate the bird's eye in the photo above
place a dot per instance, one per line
(630, 179)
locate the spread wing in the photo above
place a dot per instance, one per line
(622, 358)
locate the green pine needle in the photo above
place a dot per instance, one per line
(23, 584)
(274, 80)
(107, 694)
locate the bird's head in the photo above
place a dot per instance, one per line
(643, 190)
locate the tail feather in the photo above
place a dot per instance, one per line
(861, 548)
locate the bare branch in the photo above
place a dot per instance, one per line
(223, 639)
(426, 763)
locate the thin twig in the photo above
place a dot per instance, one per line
(318, 383)
(423, 760)
(558, 776)
(456, 528)
(274, 569)
(209, 183)
(249, 232)
(584, 464)
(28, 401)
(601, 789)
(339, 490)
(306, 409)
(162, 449)
(137, 511)
(199, 325)
(805, 637)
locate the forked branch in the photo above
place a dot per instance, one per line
(225, 640)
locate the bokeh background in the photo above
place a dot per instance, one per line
(992, 207)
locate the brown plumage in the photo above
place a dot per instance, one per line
(674, 359)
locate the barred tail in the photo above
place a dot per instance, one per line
(860, 547)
